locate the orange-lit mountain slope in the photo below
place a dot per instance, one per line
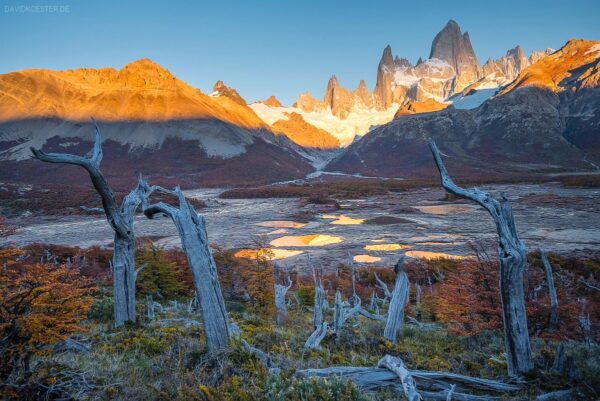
(142, 90)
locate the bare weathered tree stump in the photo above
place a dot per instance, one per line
(551, 291)
(194, 240)
(120, 219)
(314, 341)
(280, 305)
(513, 259)
(395, 317)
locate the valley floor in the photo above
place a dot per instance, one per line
(372, 230)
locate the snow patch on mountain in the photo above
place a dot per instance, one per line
(475, 99)
(269, 114)
(595, 48)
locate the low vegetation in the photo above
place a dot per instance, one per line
(166, 358)
(349, 188)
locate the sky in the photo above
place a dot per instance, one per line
(280, 48)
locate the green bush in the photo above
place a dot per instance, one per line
(102, 310)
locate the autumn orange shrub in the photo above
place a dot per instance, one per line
(467, 297)
(40, 304)
(247, 278)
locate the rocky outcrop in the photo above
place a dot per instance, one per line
(305, 134)
(306, 102)
(508, 67)
(546, 120)
(537, 55)
(414, 107)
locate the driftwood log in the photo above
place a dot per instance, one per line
(513, 259)
(194, 241)
(120, 219)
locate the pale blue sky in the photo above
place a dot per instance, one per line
(282, 48)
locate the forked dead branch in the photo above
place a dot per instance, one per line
(120, 218)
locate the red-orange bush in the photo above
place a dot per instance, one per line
(40, 304)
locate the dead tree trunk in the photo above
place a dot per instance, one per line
(280, 291)
(386, 291)
(194, 241)
(319, 301)
(120, 219)
(513, 259)
(417, 296)
(395, 317)
(314, 341)
(585, 324)
(150, 303)
(353, 277)
(551, 291)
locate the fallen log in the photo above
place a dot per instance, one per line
(431, 385)
(555, 395)
(396, 365)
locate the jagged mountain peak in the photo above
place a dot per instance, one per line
(387, 58)
(452, 24)
(220, 89)
(333, 81)
(143, 64)
(272, 101)
(151, 72)
(455, 48)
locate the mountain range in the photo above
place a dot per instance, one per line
(535, 113)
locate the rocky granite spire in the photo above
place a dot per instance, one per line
(385, 71)
(454, 47)
(512, 63)
(338, 99)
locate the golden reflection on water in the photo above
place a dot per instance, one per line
(432, 255)
(366, 259)
(307, 240)
(385, 247)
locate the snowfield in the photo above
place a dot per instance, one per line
(359, 121)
